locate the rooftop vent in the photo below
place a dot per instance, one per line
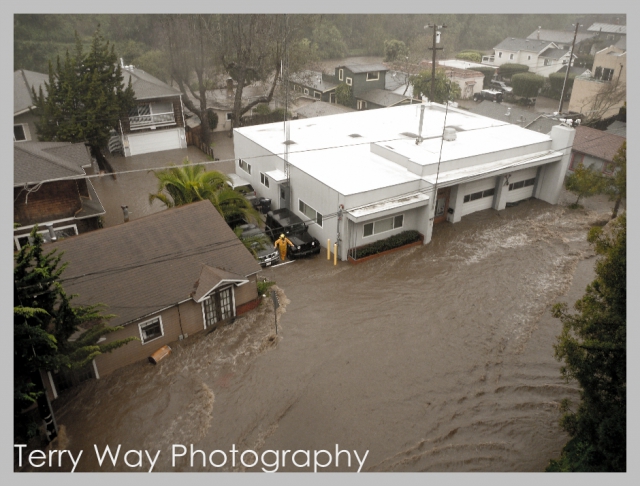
(355, 135)
(288, 142)
(449, 134)
(409, 134)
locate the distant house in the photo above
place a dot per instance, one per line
(24, 128)
(469, 81)
(50, 189)
(543, 57)
(314, 84)
(157, 121)
(561, 38)
(166, 277)
(609, 66)
(321, 108)
(596, 149)
(609, 34)
(518, 116)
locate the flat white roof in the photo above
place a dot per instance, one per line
(336, 149)
(406, 201)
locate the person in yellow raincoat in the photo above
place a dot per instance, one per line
(281, 244)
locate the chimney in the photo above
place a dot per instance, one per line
(539, 27)
(229, 87)
(52, 234)
(125, 212)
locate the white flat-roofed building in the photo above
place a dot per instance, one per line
(360, 177)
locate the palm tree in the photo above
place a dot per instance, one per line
(189, 183)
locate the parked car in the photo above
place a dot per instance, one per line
(283, 221)
(488, 94)
(501, 86)
(266, 254)
(238, 183)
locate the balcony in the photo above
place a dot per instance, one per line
(151, 115)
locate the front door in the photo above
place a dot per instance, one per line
(218, 307)
(442, 205)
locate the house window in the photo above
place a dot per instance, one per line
(150, 330)
(598, 73)
(264, 179)
(151, 114)
(499, 55)
(306, 91)
(340, 74)
(244, 166)
(511, 57)
(21, 133)
(383, 225)
(229, 116)
(607, 74)
(332, 97)
(548, 62)
(520, 184)
(479, 195)
(309, 212)
(374, 76)
(349, 82)
(576, 159)
(317, 95)
(528, 58)
(362, 105)
(218, 307)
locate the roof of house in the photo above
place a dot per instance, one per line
(39, 161)
(608, 28)
(153, 262)
(554, 53)
(321, 108)
(23, 81)
(622, 43)
(518, 116)
(365, 68)
(578, 71)
(597, 143)
(146, 86)
(618, 128)
(559, 36)
(383, 97)
(313, 79)
(395, 79)
(516, 44)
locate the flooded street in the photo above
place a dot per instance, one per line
(436, 358)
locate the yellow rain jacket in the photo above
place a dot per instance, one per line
(281, 244)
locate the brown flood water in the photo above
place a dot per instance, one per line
(437, 358)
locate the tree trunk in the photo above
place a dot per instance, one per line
(103, 163)
(616, 207)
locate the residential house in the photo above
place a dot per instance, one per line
(51, 190)
(314, 84)
(24, 128)
(543, 57)
(561, 38)
(156, 122)
(469, 81)
(360, 177)
(530, 120)
(608, 35)
(609, 70)
(166, 277)
(596, 149)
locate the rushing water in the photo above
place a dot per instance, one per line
(437, 358)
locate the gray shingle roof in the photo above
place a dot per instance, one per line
(618, 128)
(23, 80)
(552, 53)
(597, 143)
(515, 44)
(382, 97)
(559, 36)
(152, 262)
(313, 79)
(608, 28)
(531, 120)
(394, 79)
(321, 108)
(365, 68)
(147, 86)
(39, 161)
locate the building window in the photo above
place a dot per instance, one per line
(150, 330)
(511, 57)
(479, 195)
(229, 116)
(21, 133)
(349, 82)
(151, 114)
(548, 62)
(264, 179)
(244, 166)
(528, 58)
(383, 225)
(362, 105)
(374, 76)
(317, 95)
(218, 307)
(607, 74)
(499, 55)
(309, 212)
(340, 74)
(576, 159)
(520, 184)
(306, 91)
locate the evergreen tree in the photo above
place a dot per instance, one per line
(593, 349)
(445, 89)
(617, 186)
(584, 182)
(85, 97)
(44, 323)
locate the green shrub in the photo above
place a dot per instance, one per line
(263, 287)
(395, 241)
(509, 69)
(527, 85)
(470, 55)
(262, 109)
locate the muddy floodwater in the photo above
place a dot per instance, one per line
(437, 358)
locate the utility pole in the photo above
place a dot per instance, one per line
(566, 76)
(434, 49)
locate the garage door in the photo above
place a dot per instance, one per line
(156, 141)
(478, 195)
(521, 185)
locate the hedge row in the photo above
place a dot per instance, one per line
(390, 243)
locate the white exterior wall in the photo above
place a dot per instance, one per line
(412, 219)
(551, 176)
